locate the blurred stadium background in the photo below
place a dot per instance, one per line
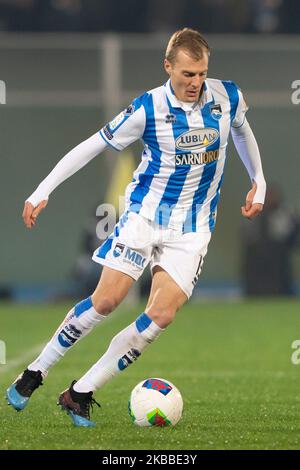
(71, 65)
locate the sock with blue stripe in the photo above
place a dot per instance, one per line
(77, 324)
(123, 350)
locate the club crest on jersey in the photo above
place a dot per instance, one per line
(170, 118)
(119, 248)
(216, 111)
(197, 139)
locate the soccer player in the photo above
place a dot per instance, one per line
(170, 213)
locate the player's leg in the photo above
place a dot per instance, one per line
(176, 266)
(121, 267)
(127, 345)
(113, 286)
(165, 299)
(81, 319)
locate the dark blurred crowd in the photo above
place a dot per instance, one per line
(210, 16)
(269, 242)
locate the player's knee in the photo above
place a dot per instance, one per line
(104, 304)
(162, 316)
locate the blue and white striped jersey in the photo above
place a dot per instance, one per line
(178, 181)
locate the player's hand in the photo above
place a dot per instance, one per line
(250, 210)
(30, 213)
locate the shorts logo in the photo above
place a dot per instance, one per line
(128, 358)
(68, 336)
(197, 139)
(119, 248)
(134, 258)
(170, 118)
(216, 111)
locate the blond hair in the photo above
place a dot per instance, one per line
(189, 40)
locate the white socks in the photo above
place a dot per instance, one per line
(77, 324)
(123, 350)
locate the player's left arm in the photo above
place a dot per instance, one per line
(248, 150)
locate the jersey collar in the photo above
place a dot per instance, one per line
(205, 98)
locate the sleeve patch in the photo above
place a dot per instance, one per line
(108, 133)
(129, 110)
(116, 121)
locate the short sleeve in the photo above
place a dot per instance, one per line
(241, 110)
(126, 127)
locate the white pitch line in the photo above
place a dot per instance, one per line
(23, 359)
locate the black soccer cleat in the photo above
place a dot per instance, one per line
(78, 406)
(21, 390)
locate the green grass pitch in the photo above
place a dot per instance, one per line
(231, 362)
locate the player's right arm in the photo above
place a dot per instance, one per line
(124, 129)
(73, 161)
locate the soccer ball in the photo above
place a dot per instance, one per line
(155, 402)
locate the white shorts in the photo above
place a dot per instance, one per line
(137, 241)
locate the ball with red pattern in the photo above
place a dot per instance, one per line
(155, 402)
